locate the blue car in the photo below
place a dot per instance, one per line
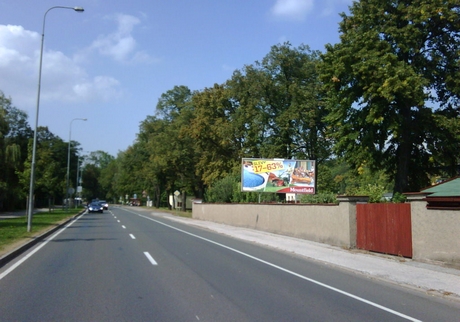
(95, 207)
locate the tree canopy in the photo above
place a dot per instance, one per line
(390, 82)
(379, 110)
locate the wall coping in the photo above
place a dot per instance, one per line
(361, 199)
(416, 196)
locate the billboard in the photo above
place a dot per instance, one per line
(278, 176)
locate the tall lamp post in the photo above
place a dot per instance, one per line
(68, 163)
(77, 181)
(34, 148)
(79, 175)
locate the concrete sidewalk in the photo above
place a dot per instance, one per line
(430, 278)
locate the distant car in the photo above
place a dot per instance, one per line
(104, 204)
(95, 207)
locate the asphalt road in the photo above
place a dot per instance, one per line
(129, 265)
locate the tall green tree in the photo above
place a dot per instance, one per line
(397, 61)
(155, 137)
(215, 141)
(50, 168)
(173, 143)
(14, 135)
(96, 176)
(283, 104)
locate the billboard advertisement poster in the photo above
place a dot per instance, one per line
(278, 176)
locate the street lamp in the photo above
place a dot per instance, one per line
(34, 148)
(76, 181)
(79, 175)
(68, 163)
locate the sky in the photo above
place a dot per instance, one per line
(111, 63)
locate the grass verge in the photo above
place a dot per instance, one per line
(13, 230)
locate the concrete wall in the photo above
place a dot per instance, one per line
(435, 233)
(331, 224)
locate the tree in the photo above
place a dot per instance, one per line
(95, 175)
(50, 168)
(171, 141)
(92, 188)
(397, 60)
(159, 179)
(14, 135)
(215, 141)
(281, 104)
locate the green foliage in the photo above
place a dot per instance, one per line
(375, 192)
(253, 197)
(228, 189)
(14, 136)
(398, 197)
(14, 229)
(222, 190)
(277, 106)
(367, 101)
(393, 61)
(319, 198)
(325, 178)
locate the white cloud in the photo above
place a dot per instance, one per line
(121, 45)
(292, 9)
(106, 87)
(61, 75)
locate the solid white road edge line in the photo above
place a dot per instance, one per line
(150, 258)
(36, 249)
(409, 318)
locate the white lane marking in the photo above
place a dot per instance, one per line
(132, 236)
(123, 226)
(150, 258)
(381, 307)
(118, 221)
(45, 241)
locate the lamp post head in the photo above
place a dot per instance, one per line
(78, 9)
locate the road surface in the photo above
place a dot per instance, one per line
(129, 265)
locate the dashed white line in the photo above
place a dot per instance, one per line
(123, 226)
(132, 236)
(118, 221)
(150, 258)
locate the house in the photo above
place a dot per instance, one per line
(445, 195)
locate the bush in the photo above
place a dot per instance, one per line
(319, 198)
(398, 197)
(228, 189)
(221, 191)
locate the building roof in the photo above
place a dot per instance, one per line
(449, 188)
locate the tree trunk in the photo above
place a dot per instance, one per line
(184, 201)
(403, 151)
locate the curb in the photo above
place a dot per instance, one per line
(5, 259)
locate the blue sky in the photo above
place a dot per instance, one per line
(111, 63)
